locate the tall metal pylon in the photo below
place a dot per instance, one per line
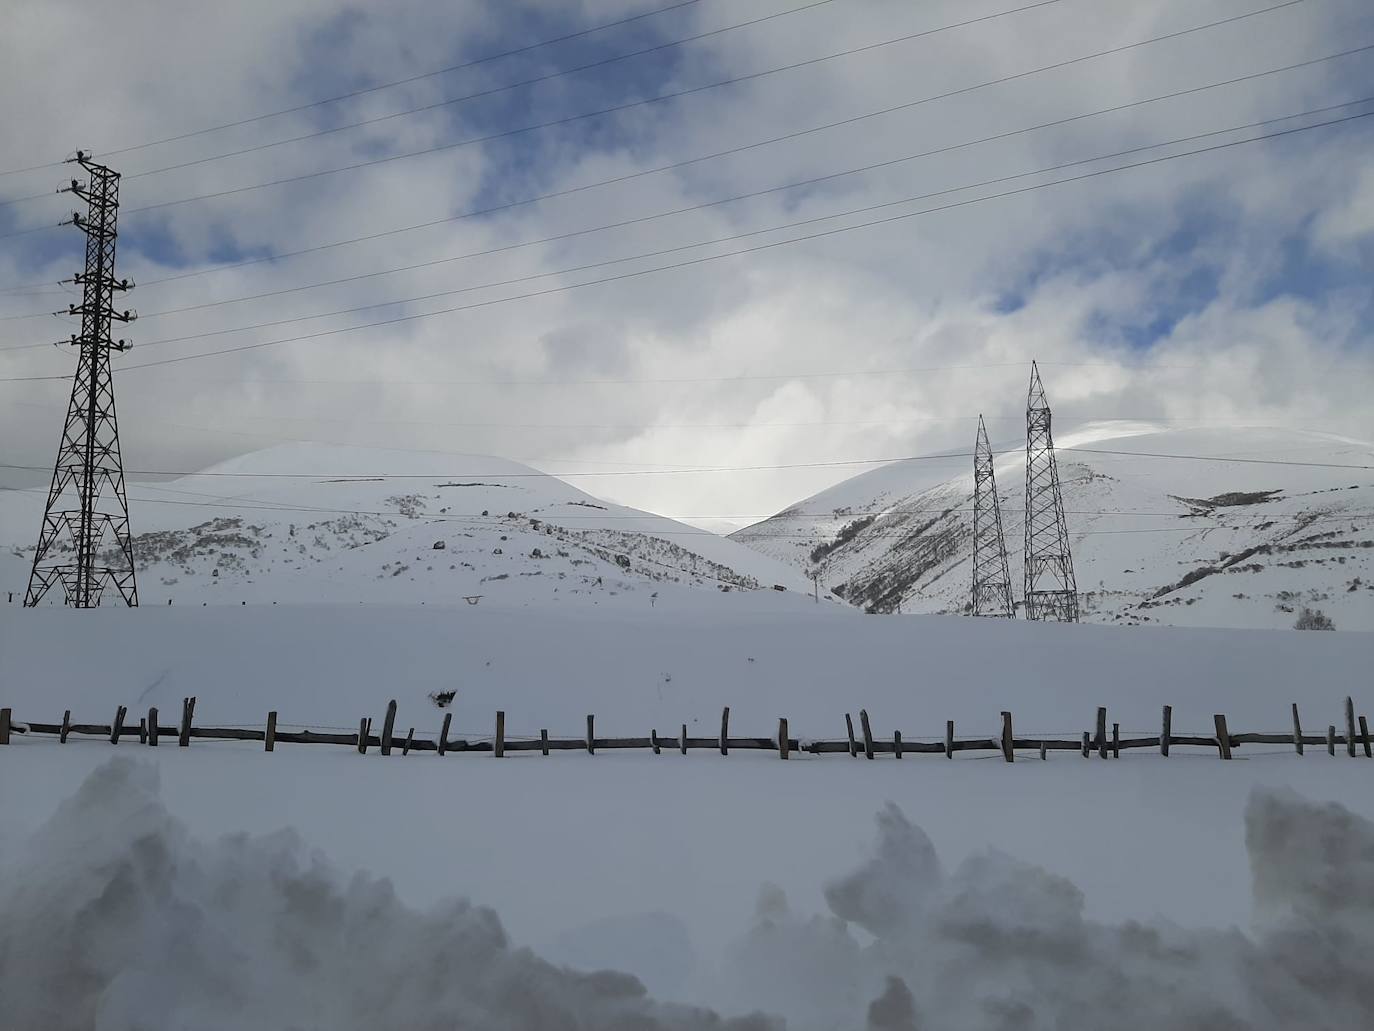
(991, 578)
(1050, 589)
(84, 541)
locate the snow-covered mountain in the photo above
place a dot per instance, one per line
(1168, 540)
(309, 523)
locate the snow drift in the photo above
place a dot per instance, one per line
(999, 943)
(113, 917)
(116, 919)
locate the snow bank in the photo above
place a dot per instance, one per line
(115, 918)
(112, 916)
(1000, 943)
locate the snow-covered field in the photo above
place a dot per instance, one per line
(302, 523)
(675, 868)
(221, 887)
(1163, 540)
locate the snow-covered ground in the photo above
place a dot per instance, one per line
(1164, 540)
(221, 887)
(312, 522)
(661, 865)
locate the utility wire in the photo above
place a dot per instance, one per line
(938, 457)
(745, 235)
(670, 96)
(492, 91)
(507, 87)
(380, 86)
(742, 196)
(708, 258)
(614, 109)
(704, 157)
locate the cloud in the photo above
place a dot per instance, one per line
(1214, 288)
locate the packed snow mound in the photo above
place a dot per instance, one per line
(1158, 534)
(114, 916)
(309, 522)
(999, 943)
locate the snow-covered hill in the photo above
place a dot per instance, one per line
(368, 525)
(1155, 539)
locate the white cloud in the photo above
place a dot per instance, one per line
(1086, 259)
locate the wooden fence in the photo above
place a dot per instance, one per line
(1100, 741)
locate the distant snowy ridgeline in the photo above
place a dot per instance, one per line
(1159, 532)
(312, 523)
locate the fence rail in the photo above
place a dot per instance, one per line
(1106, 744)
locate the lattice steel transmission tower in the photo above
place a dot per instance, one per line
(1050, 589)
(84, 541)
(991, 579)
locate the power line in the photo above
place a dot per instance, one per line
(941, 456)
(505, 88)
(499, 522)
(670, 96)
(614, 109)
(660, 380)
(739, 197)
(708, 258)
(745, 235)
(706, 157)
(381, 86)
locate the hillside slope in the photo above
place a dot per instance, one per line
(368, 525)
(1162, 540)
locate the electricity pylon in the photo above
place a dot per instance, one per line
(1050, 589)
(991, 578)
(84, 542)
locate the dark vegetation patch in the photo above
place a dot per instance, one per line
(847, 533)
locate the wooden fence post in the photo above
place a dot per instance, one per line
(682, 739)
(897, 744)
(1331, 740)
(410, 739)
(388, 725)
(1223, 736)
(725, 731)
(117, 727)
(364, 732)
(66, 727)
(591, 737)
(152, 726)
(544, 740)
(443, 733)
(849, 727)
(1043, 755)
(1364, 737)
(1166, 729)
(499, 746)
(270, 738)
(867, 732)
(949, 739)
(1007, 751)
(1087, 744)
(1101, 732)
(4, 726)
(188, 711)
(1297, 729)
(653, 741)
(1116, 740)
(1350, 726)
(143, 730)
(782, 738)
